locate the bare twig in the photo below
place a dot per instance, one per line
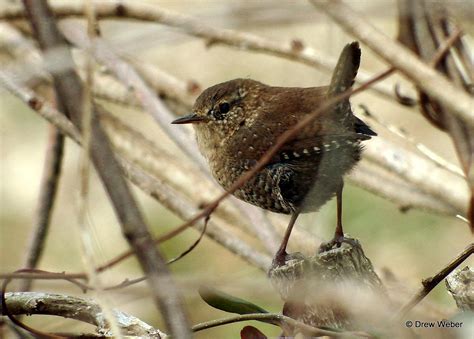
(180, 256)
(131, 79)
(413, 168)
(412, 67)
(422, 28)
(421, 181)
(185, 208)
(279, 319)
(193, 245)
(48, 189)
(444, 48)
(85, 234)
(426, 151)
(69, 94)
(430, 283)
(172, 87)
(17, 322)
(141, 11)
(382, 182)
(76, 308)
(42, 275)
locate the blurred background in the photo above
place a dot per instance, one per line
(412, 245)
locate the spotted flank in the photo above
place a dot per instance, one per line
(327, 146)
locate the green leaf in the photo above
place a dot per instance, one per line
(227, 302)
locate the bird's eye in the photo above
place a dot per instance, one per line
(224, 107)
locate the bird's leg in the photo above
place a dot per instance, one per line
(339, 233)
(281, 254)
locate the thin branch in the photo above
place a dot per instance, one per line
(125, 9)
(373, 178)
(174, 200)
(127, 282)
(423, 149)
(279, 319)
(180, 256)
(83, 310)
(48, 190)
(445, 47)
(42, 275)
(412, 168)
(85, 232)
(193, 245)
(430, 283)
(17, 322)
(182, 91)
(46, 110)
(130, 78)
(69, 94)
(425, 77)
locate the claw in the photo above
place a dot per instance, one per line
(336, 242)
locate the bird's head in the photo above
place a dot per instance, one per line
(221, 110)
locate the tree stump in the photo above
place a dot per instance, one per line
(337, 288)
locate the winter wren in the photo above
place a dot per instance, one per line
(237, 121)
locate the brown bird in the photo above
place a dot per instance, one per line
(237, 121)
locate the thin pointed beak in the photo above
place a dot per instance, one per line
(189, 119)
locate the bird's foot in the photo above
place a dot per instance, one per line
(281, 258)
(336, 243)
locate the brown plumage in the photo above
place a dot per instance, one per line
(237, 121)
